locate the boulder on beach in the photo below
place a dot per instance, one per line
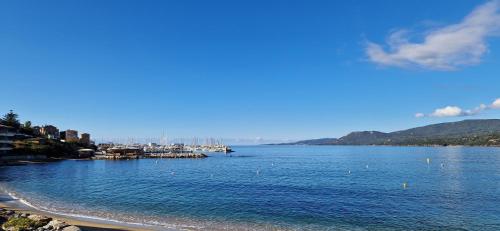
(39, 218)
(56, 225)
(17, 221)
(71, 228)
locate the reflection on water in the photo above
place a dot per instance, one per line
(286, 187)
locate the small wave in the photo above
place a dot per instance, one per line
(94, 218)
(177, 225)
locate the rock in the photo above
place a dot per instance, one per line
(39, 218)
(24, 215)
(55, 225)
(9, 212)
(11, 229)
(43, 229)
(71, 228)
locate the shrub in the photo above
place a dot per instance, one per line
(21, 224)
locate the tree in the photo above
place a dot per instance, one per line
(27, 124)
(26, 128)
(10, 119)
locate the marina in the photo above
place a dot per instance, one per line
(111, 151)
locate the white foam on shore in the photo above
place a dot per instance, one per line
(157, 225)
(150, 224)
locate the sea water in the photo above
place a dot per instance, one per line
(277, 188)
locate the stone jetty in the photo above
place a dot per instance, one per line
(190, 155)
(175, 155)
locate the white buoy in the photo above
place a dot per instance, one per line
(442, 165)
(428, 160)
(258, 172)
(366, 166)
(349, 171)
(405, 185)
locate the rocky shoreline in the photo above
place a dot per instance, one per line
(11, 220)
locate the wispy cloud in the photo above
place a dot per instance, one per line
(454, 111)
(446, 48)
(496, 104)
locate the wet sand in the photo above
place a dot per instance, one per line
(7, 202)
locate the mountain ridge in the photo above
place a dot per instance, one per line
(466, 132)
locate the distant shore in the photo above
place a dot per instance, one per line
(385, 145)
(10, 203)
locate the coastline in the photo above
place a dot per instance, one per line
(386, 145)
(85, 223)
(91, 223)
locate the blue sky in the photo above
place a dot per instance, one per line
(248, 69)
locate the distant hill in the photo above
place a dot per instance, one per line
(466, 132)
(322, 141)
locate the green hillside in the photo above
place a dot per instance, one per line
(466, 132)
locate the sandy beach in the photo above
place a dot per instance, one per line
(10, 203)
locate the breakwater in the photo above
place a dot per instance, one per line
(150, 155)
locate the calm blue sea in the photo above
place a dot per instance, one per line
(278, 188)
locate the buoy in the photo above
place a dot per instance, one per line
(366, 166)
(258, 172)
(349, 171)
(442, 165)
(405, 185)
(428, 160)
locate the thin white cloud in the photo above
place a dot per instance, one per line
(446, 48)
(496, 104)
(454, 111)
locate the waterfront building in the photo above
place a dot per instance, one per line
(6, 138)
(36, 130)
(85, 139)
(104, 146)
(69, 135)
(10, 138)
(86, 153)
(50, 132)
(177, 148)
(124, 153)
